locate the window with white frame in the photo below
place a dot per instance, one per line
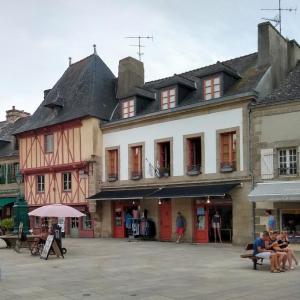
(168, 98)
(40, 183)
(128, 109)
(287, 161)
(67, 181)
(212, 88)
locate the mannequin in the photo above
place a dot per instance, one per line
(216, 225)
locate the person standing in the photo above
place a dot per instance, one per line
(216, 225)
(180, 226)
(271, 225)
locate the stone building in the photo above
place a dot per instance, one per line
(276, 148)
(9, 160)
(110, 146)
(182, 143)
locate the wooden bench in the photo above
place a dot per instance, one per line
(256, 261)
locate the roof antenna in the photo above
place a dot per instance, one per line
(277, 18)
(140, 53)
(70, 61)
(95, 50)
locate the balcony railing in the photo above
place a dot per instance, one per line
(112, 177)
(136, 175)
(193, 170)
(226, 167)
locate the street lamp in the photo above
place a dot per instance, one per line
(20, 208)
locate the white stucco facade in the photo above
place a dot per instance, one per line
(207, 124)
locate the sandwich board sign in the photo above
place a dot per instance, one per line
(51, 244)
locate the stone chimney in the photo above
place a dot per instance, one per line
(130, 75)
(14, 114)
(276, 51)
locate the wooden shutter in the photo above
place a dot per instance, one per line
(266, 163)
(137, 159)
(190, 152)
(113, 162)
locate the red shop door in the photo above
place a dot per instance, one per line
(118, 221)
(165, 216)
(200, 223)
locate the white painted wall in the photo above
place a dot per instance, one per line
(207, 124)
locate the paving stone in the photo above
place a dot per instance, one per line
(112, 269)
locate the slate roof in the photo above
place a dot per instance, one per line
(289, 89)
(243, 69)
(7, 139)
(87, 88)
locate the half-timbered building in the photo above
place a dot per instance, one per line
(60, 145)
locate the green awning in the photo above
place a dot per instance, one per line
(5, 201)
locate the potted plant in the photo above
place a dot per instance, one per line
(7, 224)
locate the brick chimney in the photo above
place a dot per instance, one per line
(14, 114)
(130, 75)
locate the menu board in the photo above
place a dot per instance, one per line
(47, 247)
(51, 244)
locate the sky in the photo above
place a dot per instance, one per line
(38, 36)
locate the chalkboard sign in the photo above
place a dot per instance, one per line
(51, 244)
(47, 247)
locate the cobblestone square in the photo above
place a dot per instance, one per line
(118, 269)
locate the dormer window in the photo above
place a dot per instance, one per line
(168, 98)
(128, 109)
(212, 88)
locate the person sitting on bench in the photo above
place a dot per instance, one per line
(260, 251)
(272, 244)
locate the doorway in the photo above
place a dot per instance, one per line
(200, 223)
(225, 211)
(74, 231)
(165, 217)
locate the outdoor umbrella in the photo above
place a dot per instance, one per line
(56, 210)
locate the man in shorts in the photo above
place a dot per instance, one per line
(180, 226)
(260, 251)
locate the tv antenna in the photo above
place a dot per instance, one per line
(277, 19)
(139, 45)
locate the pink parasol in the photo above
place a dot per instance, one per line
(56, 210)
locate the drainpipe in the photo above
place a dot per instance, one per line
(250, 165)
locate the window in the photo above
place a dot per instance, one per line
(49, 143)
(228, 151)
(87, 221)
(128, 109)
(12, 170)
(212, 88)
(37, 222)
(193, 156)
(168, 99)
(2, 174)
(287, 161)
(41, 183)
(137, 162)
(67, 181)
(113, 165)
(164, 159)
